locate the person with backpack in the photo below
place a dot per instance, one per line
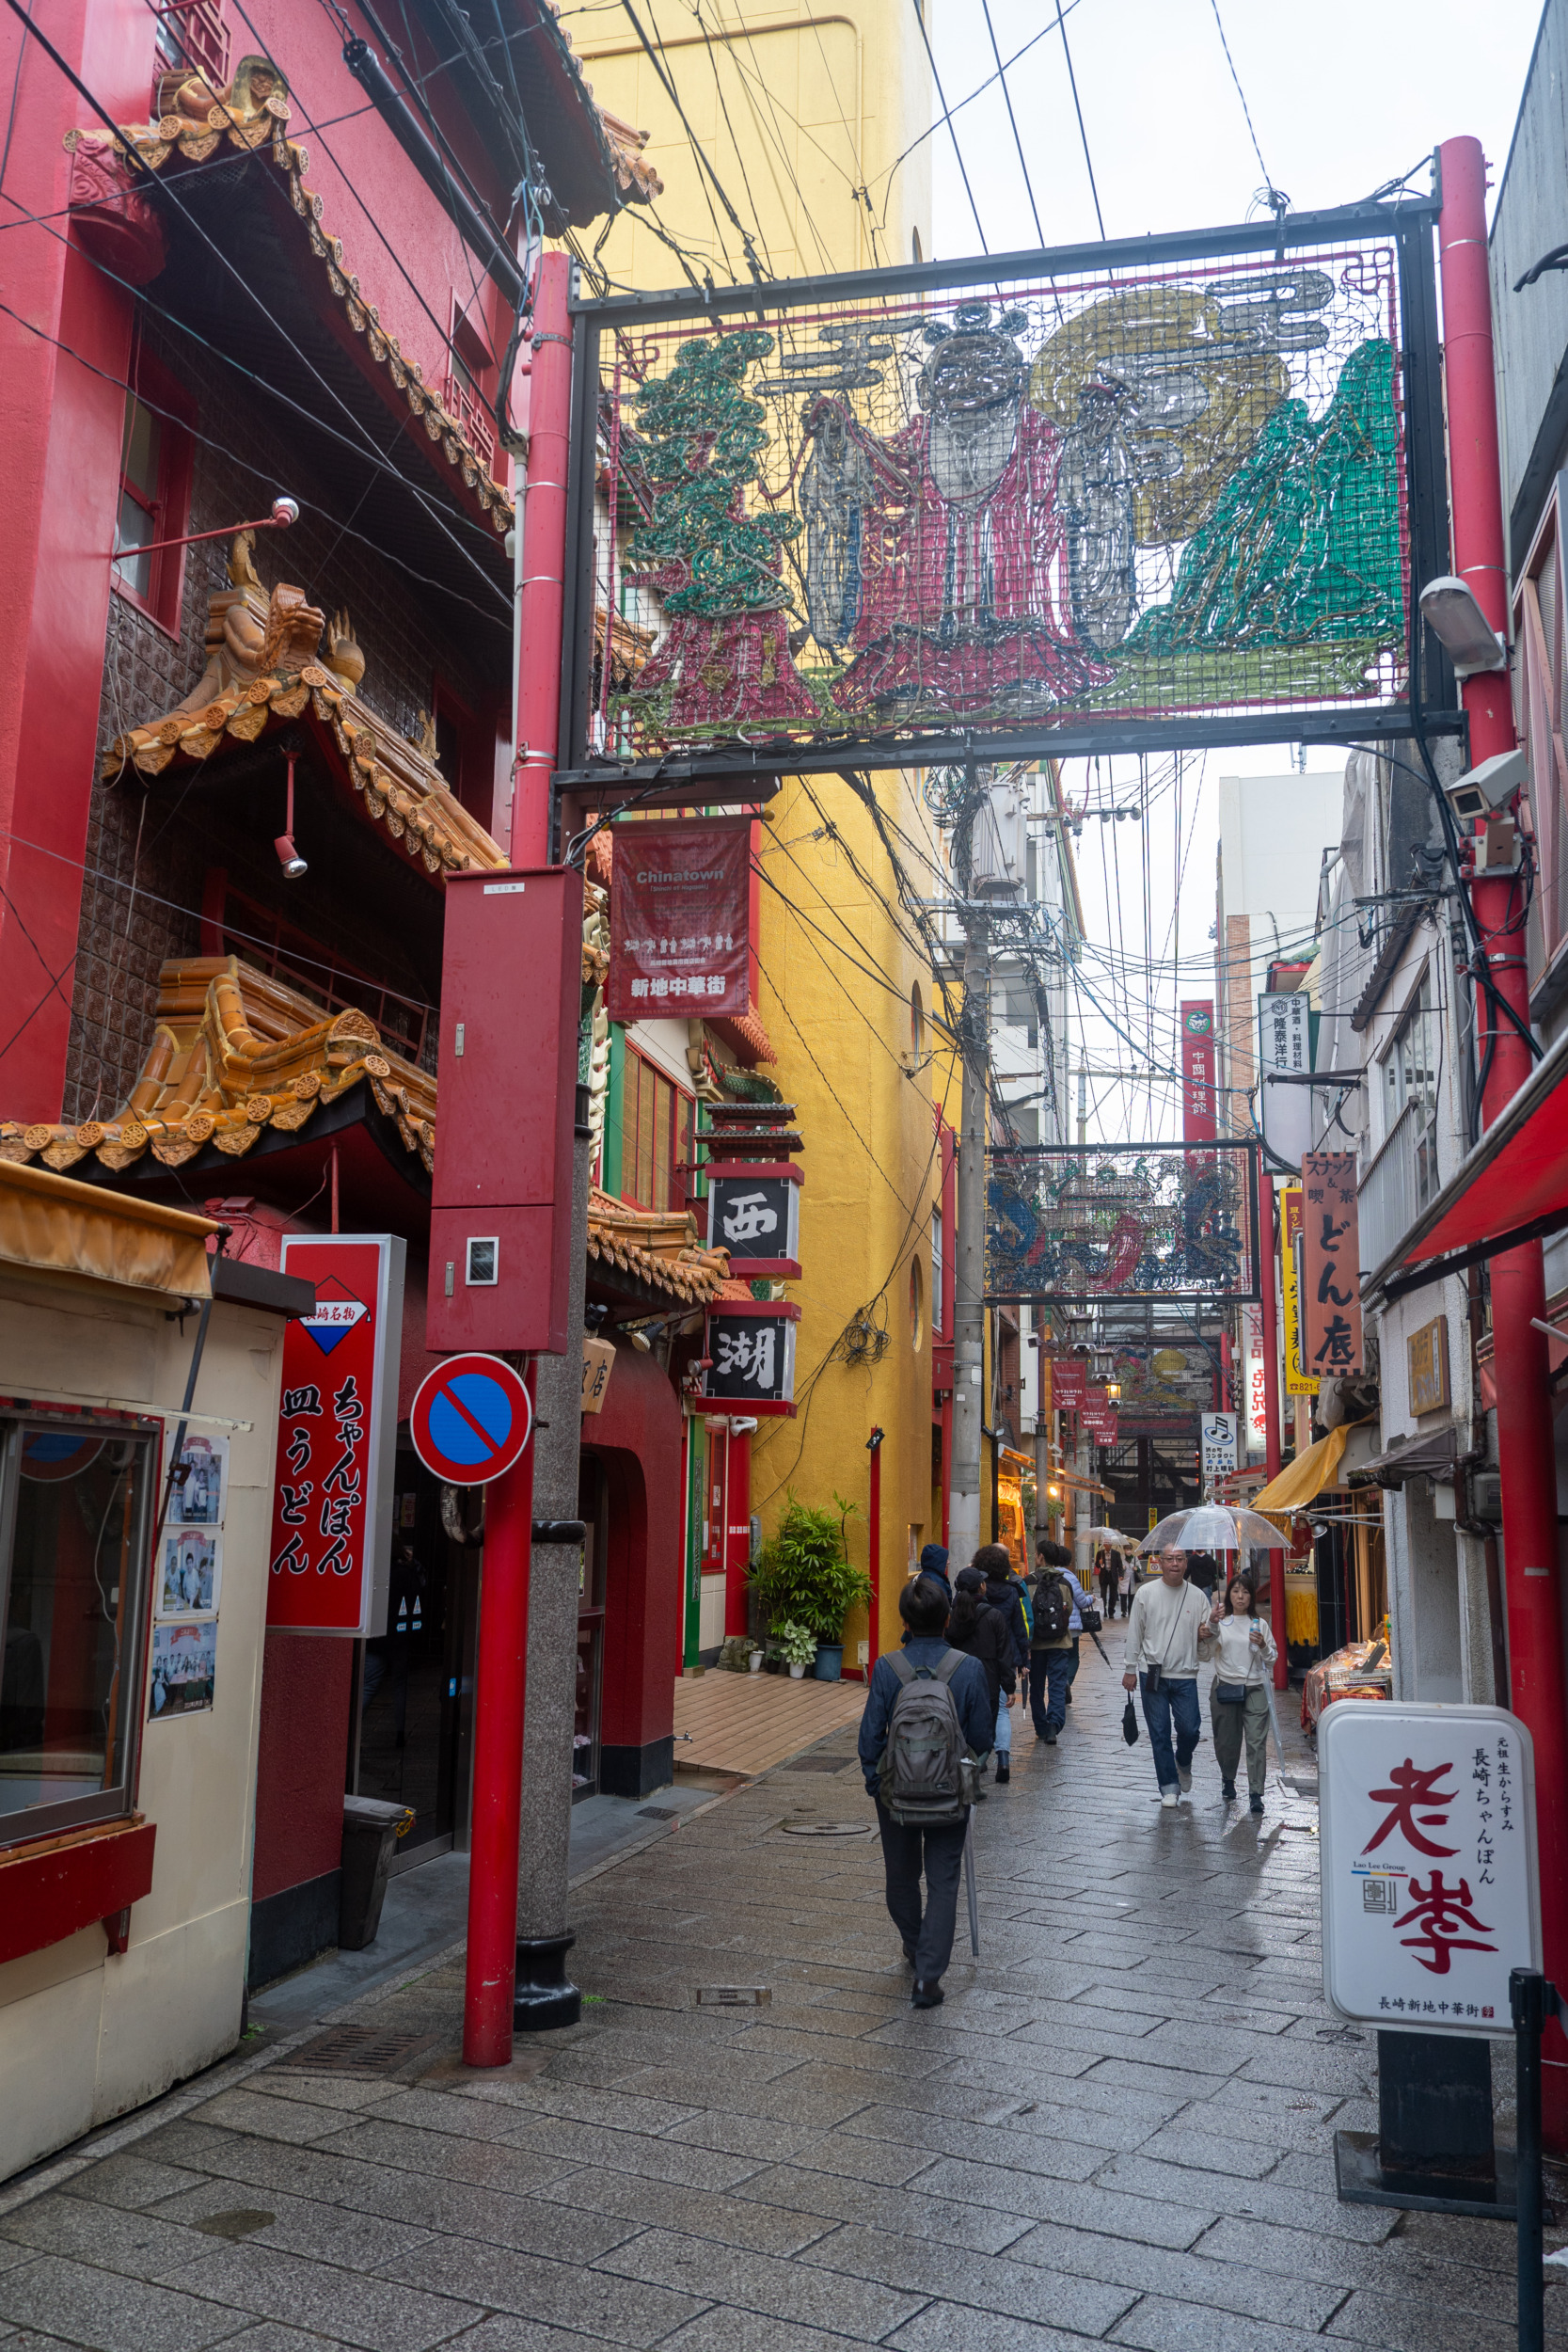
(933, 1562)
(1059, 1599)
(928, 1724)
(978, 1630)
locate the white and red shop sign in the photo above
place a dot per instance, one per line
(679, 920)
(337, 1437)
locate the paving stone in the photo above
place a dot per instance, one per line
(85, 2306)
(1158, 2326)
(624, 2311)
(138, 2245)
(951, 2328)
(353, 2308)
(1271, 2200)
(912, 2212)
(1216, 2286)
(1148, 2220)
(1401, 2326)
(130, 2179)
(1398, 2268)
(269, 2117)
(766, 2228)
(993, 2282)
(721, 2330)
(858, 2304)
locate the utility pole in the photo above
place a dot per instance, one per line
(1525, 1452)
(969, 1312)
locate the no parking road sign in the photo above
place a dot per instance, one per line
(470, 1420)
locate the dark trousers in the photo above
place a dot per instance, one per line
(937, 1852)
(1050, 1671)
(1173, 1701)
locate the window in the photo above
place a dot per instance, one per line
(917, 1019)
(471, 386)
(655, 1137)
(155, 493)
(76, 1517)
(1410, 1074)
(917, 1306)
(936, 1270)
(192, 37)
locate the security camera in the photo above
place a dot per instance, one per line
(1450, 610)
(1479, 793)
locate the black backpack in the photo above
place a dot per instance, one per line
(927, 1775)
(1053, 1611)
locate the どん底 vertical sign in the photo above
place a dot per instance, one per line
(337, 1437)
(1331, 1264)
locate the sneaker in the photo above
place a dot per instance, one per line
(1227, 1791)
(928, 1993)
(1256, 1806)
(1183, 1773)
(1168, 1796)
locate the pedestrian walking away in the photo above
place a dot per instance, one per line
(1126, 1580)
(980, 1631)
(1105, 1573)
(1203, 1570)
(1059, 1601)
(1243, 1651)
(933, 1562)
(928, 1722)
(1002, 1593)
(1168, 1614)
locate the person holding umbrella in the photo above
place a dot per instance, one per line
(1243, 1651)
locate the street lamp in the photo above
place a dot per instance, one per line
(1450, 610)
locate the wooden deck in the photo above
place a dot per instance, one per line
(746, 1723)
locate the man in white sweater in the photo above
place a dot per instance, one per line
(1162, 1661)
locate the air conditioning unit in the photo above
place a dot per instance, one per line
(999, 843)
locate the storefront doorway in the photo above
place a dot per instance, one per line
(413, 1721)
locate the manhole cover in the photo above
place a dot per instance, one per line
(355, 2050)
(659, 1812)
(818, 1764)
(827, 1829)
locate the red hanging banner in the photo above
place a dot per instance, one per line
(1197, 1071)
(1070, 1377)
(679, 900)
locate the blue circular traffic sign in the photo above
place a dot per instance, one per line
(470, 1420)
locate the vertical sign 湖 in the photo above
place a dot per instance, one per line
(1298, 1381)
(1198, 1071)
(337, 1437)
(1331, 1265)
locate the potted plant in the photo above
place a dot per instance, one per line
(798, 1647)
(805, 1578)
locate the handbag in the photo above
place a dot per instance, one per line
(1090, 1619)
(1230, 1693)
(1130, 1722)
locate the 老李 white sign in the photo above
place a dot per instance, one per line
(1430, 1892)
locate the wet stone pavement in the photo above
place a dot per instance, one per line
(1118, 2129)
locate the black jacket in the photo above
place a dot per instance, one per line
(986, 1640)
(1002, 1593)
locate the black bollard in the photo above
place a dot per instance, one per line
(1532, 2001)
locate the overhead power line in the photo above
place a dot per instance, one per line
(1077, 108)
(1007, 93)
(958, 150)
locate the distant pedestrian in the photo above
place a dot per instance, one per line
(918, 1758)
(1053, 1646)
(980, 1631)
(933, 1562)
(1203, 1570)
(1162, 1661)
(1125, 1580)
(1105, 1573)
(1243, 1652)
(1002, 1593)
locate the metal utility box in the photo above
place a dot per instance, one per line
(501, 1228)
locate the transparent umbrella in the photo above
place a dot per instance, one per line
(1210, 1527)
(1109, 1536)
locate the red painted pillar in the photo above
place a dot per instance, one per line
(734, 1532)
(543, 570)
(1525, 1444)
(1270, 1406)
(500, 1678)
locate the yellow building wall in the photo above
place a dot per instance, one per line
(805, 116)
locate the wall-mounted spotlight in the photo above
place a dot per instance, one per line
(284, 511)
(288, 856)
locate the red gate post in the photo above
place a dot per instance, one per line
(874, 1525)
(542, 566)
(500, 1676)
(1271, 1407)
(1526, 1451)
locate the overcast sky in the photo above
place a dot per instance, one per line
(1354, 94)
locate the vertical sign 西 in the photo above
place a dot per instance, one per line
(1331, 1264)
(337, 1437)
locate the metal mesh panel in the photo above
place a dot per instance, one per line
(1106, 496)
(1148, 1220)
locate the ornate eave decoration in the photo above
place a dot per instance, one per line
(661, 1250)
(252, 115)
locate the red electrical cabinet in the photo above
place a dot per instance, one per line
(501, 1228)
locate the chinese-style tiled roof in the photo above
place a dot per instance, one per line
(636, 178)
(234, 1053)
(659, 1249)
(265, 664)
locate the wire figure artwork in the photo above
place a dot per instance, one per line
(1143, 1221)
(1085, 495)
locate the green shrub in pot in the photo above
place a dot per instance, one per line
(805, 1577)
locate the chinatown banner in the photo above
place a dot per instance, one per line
(1069, 1379)
(679, 904)
(1331, 1264)
(1100, 1417)
(337, 1437)
(1197, 1071)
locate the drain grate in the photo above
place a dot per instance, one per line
(659, 1812)
(818, 1764)
(355, 2050)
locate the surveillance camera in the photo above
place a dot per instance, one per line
(1481, 792)
(284, 511)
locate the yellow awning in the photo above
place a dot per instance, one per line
(1306, 1476)
(56, 1225)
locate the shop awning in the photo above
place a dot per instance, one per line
(1511, 1189)
(1306, 1476)
(52, 1224)
(1432, 1457)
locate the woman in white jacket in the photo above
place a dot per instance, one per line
(1243, 1650)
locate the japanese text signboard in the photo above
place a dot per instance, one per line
(1198, 1071)
(1099, 1416)
(1297, 1382)
(1255, 1381)
(755, 1215)
(337, 1437)
(1219, 1445)
(1430, 1892)
(678, 915)
(753, 1357)
(1331, 1264)
(1284, 1051)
